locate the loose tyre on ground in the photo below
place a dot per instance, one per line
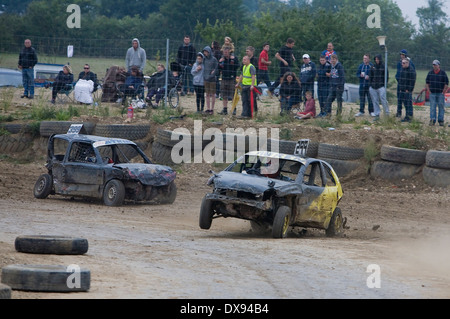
(281, 222)
(114, 193)
(47, 278)
(58, 245)
(402, 155)
(43, 186)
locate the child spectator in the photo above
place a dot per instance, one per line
(310, 108)
(199, 85)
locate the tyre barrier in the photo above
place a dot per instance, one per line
(342, 168)
(161, 154)
(5, 292)
(437, 168)
(339, 152)
(58, 245)
(46, 278)
(15, 143)
(48, 128)
(402, 155)
(16, 128)
(393, 170)
(126, 131)
(438, 159)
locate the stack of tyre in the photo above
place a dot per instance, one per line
(437, 168)
(16, 138)
(46, 278)
(343, 159)
(398, 163)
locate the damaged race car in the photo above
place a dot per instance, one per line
(112, 169)
(277, 191)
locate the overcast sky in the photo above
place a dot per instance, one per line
(409, 8)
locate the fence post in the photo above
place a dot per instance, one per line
(167, 73)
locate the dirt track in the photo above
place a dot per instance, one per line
(140, 251)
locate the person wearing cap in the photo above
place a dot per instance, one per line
(403, 55)
(437, 85)
(307, 76)
(63, 81)
(406, 83)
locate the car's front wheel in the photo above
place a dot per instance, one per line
(43, 186)
(281, 222)
(206, 214)
(336, 226)
(114, 193)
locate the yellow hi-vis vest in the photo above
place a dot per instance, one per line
(246, 75)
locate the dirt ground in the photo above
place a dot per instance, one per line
(159, 251)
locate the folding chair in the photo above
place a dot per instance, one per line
(65, 94)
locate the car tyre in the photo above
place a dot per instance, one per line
(206, 214)
(281, 222)
(114, 193)
(171, 195)
(43, 186)
(57, 245)
(336, 226)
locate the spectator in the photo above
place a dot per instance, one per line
(263, 65)
(250, 51)
(228, 65)
(87, 75)
(310, 108)
(403, 55)
(329, 51)
(337, 81)
(377, 88)
(63, 81)
(248, 80)
(229, 43)
(199, 84)
(136, 56)
(157, 85)
(210, 65)
(307, 76)
(286, 57)
(132, 85)
(406, 83)
(290, 92)
(217, 52)
(186, 58)
(323, 84)
(437, 85)
(27, 60)
(363, 75)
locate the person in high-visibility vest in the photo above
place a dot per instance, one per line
(248, 80)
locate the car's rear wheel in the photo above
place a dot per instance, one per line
(43, 186)
(206, 214)
(114, 193)
(336, 226)
(281, 222)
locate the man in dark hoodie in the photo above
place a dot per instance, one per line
(27, 61)
(186, 57)
(323, 84)
(337, 81)
(403, 55)
(377, 88)
(210, 65)
(406, 83)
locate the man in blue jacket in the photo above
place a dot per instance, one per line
(363, 75)
(437, 85)
(337, 81)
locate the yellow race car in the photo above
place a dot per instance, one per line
(278, 191)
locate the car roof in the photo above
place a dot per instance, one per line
(11, 71)
(289, 157)
(95, 140)
(10, 77)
